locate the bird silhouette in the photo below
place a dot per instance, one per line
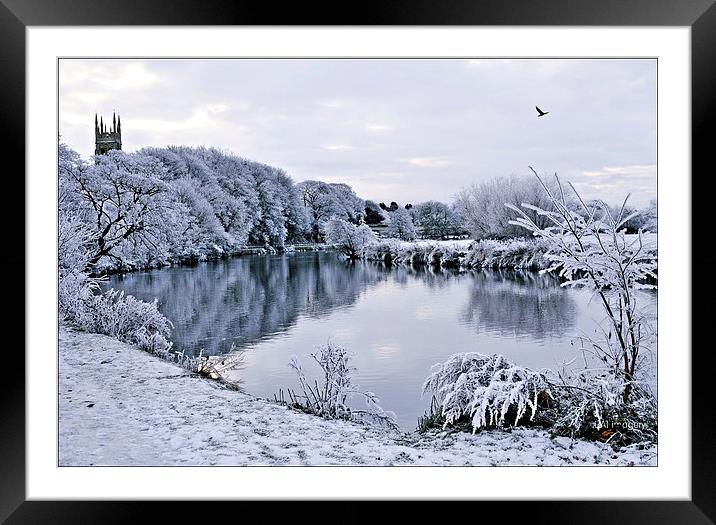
(541, 113)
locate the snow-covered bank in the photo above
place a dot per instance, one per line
(526, 254)
(119, 405)
(521, 253)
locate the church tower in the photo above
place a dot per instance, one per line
(106, 140)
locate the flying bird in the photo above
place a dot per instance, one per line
(541, 113)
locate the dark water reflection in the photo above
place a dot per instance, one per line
(516, 303)
(398, 322)
(244, 300)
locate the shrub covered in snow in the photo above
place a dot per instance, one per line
(589, 404)
(112, 313)
(526, 254)
(489, 390)
(330, 398)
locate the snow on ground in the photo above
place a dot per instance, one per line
(458, 244)
(121, 406)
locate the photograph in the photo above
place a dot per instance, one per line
(328, 261)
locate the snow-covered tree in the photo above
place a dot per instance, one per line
(126, 202)
(352, 240)
(435, 219)
(481, 207)
(325, 201)
(401, 225)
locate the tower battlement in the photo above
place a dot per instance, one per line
(107, 139)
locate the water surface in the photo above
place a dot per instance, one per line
(397, 322)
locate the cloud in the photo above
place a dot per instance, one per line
(337, 147)
(108, 75)
(336, 103)
(216, 109)
(201, 118)
(613, 183)
(378, 127)
(349, 120)
(634, 170)
(430, 162)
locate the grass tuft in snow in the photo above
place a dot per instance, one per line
(331, 397)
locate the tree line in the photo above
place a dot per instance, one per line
(177, 203)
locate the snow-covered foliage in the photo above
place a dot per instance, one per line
(324, 201)
(165, 205)
(527, 254)
(489, 390)
(401, 225)
(435, 219)
(590, 405)
(481, 207)
(112, 313)
(331, 397)
(350, 239)
(73, 242)
(589, 247)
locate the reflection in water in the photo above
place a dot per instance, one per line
(519, 303)
(247, 299)
(397, 322)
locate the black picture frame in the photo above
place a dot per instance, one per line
(16, 15)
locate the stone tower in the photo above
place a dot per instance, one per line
(106, 140)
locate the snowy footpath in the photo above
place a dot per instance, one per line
(121, 406)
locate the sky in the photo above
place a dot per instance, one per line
(404, 130)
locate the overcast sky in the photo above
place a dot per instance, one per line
(403, 130)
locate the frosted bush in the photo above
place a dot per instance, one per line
(153, 342)
(330, 398)
(76, 297)
(589, 404)
(487, 253)
(112, 313)
(489, 390)
(384, 250)
(73, 239)
(516, 253)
